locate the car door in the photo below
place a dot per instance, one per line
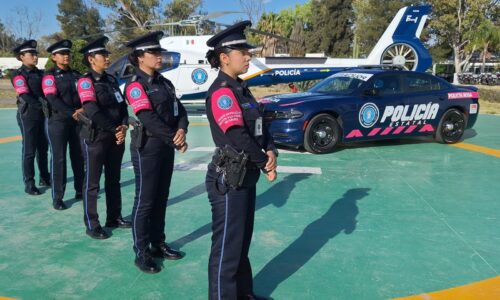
(381, 100)
(426, 103)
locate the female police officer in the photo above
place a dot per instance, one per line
(59, 86)
(165, 123)
(236, 124)
(102, 138)
(27, 81)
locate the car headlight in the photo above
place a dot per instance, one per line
(290, 114)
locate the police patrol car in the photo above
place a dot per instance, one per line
(371, 103)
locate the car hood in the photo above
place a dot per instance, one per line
(283, 101)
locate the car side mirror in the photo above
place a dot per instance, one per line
(371, 92)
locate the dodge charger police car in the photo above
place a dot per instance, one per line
(365, 104)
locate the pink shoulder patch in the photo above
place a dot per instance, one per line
(20, 85)
(137, 97)
(86, 90)
(49, 85)
(225, 109)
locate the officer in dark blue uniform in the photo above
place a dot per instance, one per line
(236, 124)
(164, 122)
(27, 81)
(59, 86)
(104, 124)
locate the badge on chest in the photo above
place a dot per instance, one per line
(118, 97)
(258, 126)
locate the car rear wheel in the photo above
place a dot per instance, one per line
(451, 127)
(322, 134)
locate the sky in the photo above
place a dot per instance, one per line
(48, 9)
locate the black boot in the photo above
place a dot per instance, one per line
(45, 182)
(97, 233)
(32, 190)
(118, 223)
(164, 251)
(59, 205)
(146, 264)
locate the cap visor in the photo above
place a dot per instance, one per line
(105, 51)
(242, 46)
(156, 49)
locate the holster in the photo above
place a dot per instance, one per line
(45, 107)
(22, 106)
(232, 164)
(87, 131)
(138, 134)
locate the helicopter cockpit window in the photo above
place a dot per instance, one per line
(128, 71)
(169, 61)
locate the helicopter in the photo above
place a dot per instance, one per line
(185, 65)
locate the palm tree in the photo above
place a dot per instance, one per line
(487, 37)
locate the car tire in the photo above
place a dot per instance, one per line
(322, 134)
(451, 127)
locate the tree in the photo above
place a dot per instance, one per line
(139, 12)
(178, 10)
(181, 9)
(298, 48)
(25, 23)
(7, 41)
(269, 23)
(131, 17)
(453, 22)
(331, 27)
(78, 20)
(253, 9)
(486, 38)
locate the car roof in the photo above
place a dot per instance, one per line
(370, 70)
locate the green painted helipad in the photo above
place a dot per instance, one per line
(371, 221)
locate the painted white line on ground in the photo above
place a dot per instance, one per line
(211, 149)
(203, 167)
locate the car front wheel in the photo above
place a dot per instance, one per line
(322, 134)
(451, 127)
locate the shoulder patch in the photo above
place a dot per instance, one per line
(225, 109)
(49, 85)
(20, 85)
(86, 90)
(137, 97)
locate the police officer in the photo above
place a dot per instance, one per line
(164, 119)
(59, 86)
(27, 82)
(235, 120)
(103, 140)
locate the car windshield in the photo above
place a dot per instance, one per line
(340, 83)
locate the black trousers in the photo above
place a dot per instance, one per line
(34, 145)
(102, 152)
(229, 270)
(153, 167)
(62, 133)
